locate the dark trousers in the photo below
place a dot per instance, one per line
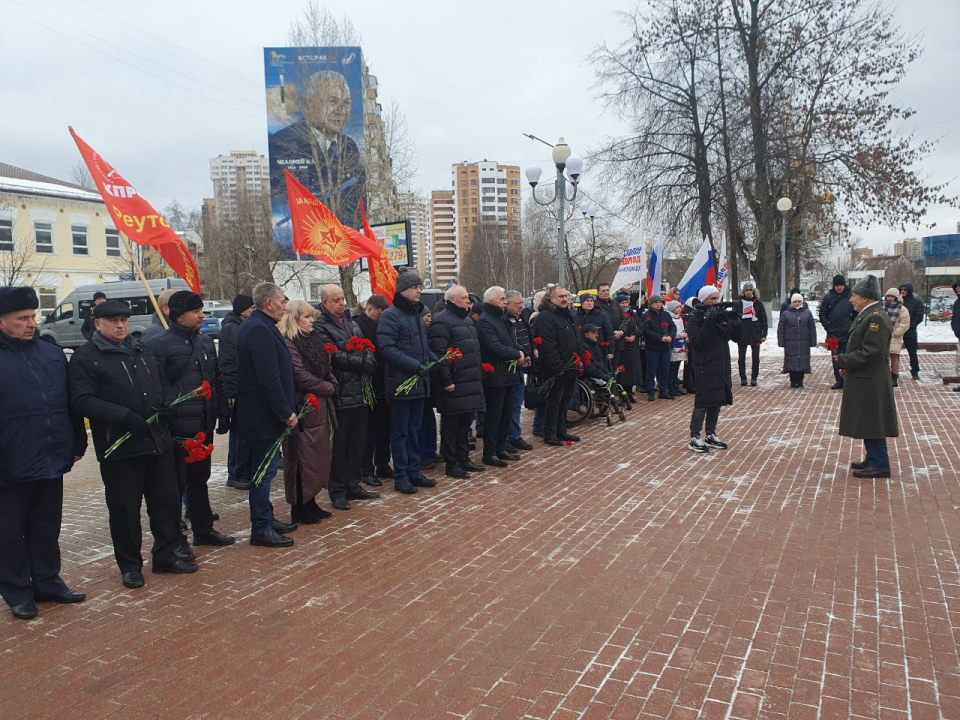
(712, 416)
(658, 371)
(836, 368)
(877, 456)
(349, 441)
(689, 381)
(428, 433)
(128, 482)
(30, 515)
(376, 454)
(516, 406)
(405, 419)
(796, 379)
(910, 342)
(192, 480)
(261, 511)
(238, 457)
(454, 445)
(496, 420)
(555, 410)
(755, 362)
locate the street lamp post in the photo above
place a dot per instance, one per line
(573, 165)
(784, 205)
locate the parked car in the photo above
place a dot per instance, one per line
(210, 326)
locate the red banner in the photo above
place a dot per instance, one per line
(136, 218)
(318, 232)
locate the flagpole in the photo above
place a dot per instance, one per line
(143, 279)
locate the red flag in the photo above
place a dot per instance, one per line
(136, 218)
(383, 275)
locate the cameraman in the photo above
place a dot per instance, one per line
(710, 329)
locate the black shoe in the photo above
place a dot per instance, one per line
(915, 376)
(715, 442)
(472, 445)
(270, 539)
(282, 527)
(371, 480)
(837, 386)
(535, 434)
(421, 481)
(25, 610)
(631, 397)
(238, 483)
(404, 487)
(185, 553)
(870, 472)
(665, 396)
(651, 398)
(793, 386)
(213, 538)
(743, 382)
(311, 508)
(860, 465)
(132, 579)
(697, 445)
(494, 462)
(472, 467)
(177, 567)
(64, 597)
(455, 471)
(300, 515)
(520, 444)
(570, 437)
(361, 494)
(551, 441)
(679, 392)
(341, 504)
(507, 455)
(385, 472)
(753, 383)
(427, 464)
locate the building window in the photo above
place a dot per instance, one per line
(488, 180)
(48, 300)
(515, 182)
(6, 235)
(43, 231)
(501, 181)
(79, 233)
(473, 181)
(463, 183)
(113, 242)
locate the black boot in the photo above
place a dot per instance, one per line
(894, 377)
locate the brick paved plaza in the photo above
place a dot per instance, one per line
(624, 577)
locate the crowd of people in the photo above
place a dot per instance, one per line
(351, 399)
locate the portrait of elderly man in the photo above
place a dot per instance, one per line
(316, 150)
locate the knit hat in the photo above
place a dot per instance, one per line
(656, 299)
(795, 297)
(839, 280)
(690, 301)
(673, 306)
(407, 280)
(706, 291)
(749, 286)
(868, 287)
(183, 301)
(17, 298)
(242, 303)
(621, 297)
(894, 292)
(587, 296)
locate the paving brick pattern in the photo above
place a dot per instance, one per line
(621, 578)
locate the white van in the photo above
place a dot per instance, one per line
(63, 325)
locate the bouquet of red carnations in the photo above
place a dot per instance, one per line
(196, 450)
(833, 345)
(625, 320)
(450, 357)
(573, 363)
(202, 392)
(311, 404)
(359, 344)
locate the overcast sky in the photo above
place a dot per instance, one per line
(159, 88)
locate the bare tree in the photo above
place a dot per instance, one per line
(23, 265)
(239, 250)
(318, 27)
(80, 175)
(400, 145)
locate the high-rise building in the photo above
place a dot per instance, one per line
(240, 177)
(910, 247)
(858, 254)
(417, 209)
(486, 193)
(443, 232)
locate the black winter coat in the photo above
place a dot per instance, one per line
(796, 334)
(653, 326)
(955, 320)
(109, 385)
(348, 367)
(405, 347)
(629, 353)
(369, 329)
(453, 327)
(752, 332)
(710, 332)
(228, 355)
(836, 314)
(187, 358)
(39, 436)
(599, 367)
(154, 329)
(611, 309)
(265, 383)
(912, 303)
(599, 318)
(521, 330)
(498, 347)
(556, 328)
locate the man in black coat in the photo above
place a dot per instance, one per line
(753, 332)
(611, 308)
(238, 456)
(188, 359)
(955, 320)
(40, 440)
(336, 327)
(912, 303)
(457, 387)
(117, 384)
(87, 328)
(559, 342)
(376, 454)
(836, 316)
(659, 331)
(710, 330)
(521, 332)
(266, 404)
(500, 356)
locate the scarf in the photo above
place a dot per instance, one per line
(317, 362)
(893, 310)
(748, 312)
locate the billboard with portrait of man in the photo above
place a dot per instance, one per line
(315, 129)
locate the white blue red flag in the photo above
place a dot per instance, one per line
(655, 272)
(701, 272)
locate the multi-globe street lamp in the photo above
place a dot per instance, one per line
(572, 165)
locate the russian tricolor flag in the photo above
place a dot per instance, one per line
(655, 271)
(701, 272)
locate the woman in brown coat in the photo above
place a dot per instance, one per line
(307, 453)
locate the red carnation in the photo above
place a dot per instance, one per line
(314, 403)
(204, 390)
(486, 367)
(664, 324)
(329, 348)
(626, 315)
(621, 369)
(832, 344)
(538, 341)
(569, 442)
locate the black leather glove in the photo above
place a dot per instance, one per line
(223, 425)
(137, 425)
(166, 412)
(424, 372)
